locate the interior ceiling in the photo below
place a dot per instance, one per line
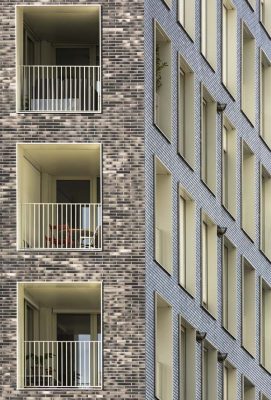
(65, 160)
(64, 24)
(66, 296)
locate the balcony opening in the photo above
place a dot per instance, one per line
(58, 59)
(59, 335)
(59, 196)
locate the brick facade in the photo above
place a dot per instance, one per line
(120, 130)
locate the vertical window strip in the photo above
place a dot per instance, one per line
(183, 240)
(205, 264)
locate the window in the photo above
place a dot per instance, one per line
(229, 49)
(163, 349)
(265, 14)
(186, 241)
(163, 216)
(45, 46)
(265, 109)
(265, 212)
(162, 81)
(248, 307)
(265, 327)
(208, 31)
(209, 372)
(59, 196)
(186, 16)
(186, 112)
(248, 104)
(248, 392)
(209, 264)
(229, 167)
(50, 315)
(229, 287)
(248, 191)
(208, 140)
(188, 360)
(229, 382)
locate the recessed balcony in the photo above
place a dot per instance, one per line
(58, 59)
(59, 335)
(59, 197)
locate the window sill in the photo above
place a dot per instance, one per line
(207, 62)
(265, 255)
(167, 6)
(265, 142)
(190, 294)
(163, 268)
(229, 333)
(229, 213)
(247, 118)
(185, 31)
(265, 29)
(248, 352)
(265, 369)
(185, 161)
(250, 5)
(207, 187)
(162, 133)
(228, 91)
(247, 235)
(208, 312)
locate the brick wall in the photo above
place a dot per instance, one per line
(120, 130)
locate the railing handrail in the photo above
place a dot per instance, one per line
(62, 341)
(91, 204)
(62, 66)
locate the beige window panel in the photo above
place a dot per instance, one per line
(163, 215)
(229, 46)
(162, 81)
(163, 349)
(209, 264)
(229, 287)
(187, 360)
(265, 105)
(248, 85)
(209, 31)
(248, 191)
(229, 167)
(208, 139)
(186, 16)
(186, 112)
(248, 307)
(187, 236)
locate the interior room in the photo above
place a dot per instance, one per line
(58, 68)
(59, 196)
(59, 334)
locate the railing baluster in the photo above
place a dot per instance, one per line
(75, 363)
(80, 101)
(93, 88)
(61, 90)
(70, 88)
(47, 91)
(84, 86)
(61, 363)
(75, 83)
(66, 343)
(38, 70)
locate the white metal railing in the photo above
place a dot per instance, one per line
(61, 226)
(62, 364)
(60, 88)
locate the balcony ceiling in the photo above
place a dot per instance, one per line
(65, 160)
(64, 24)
(65, 296)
